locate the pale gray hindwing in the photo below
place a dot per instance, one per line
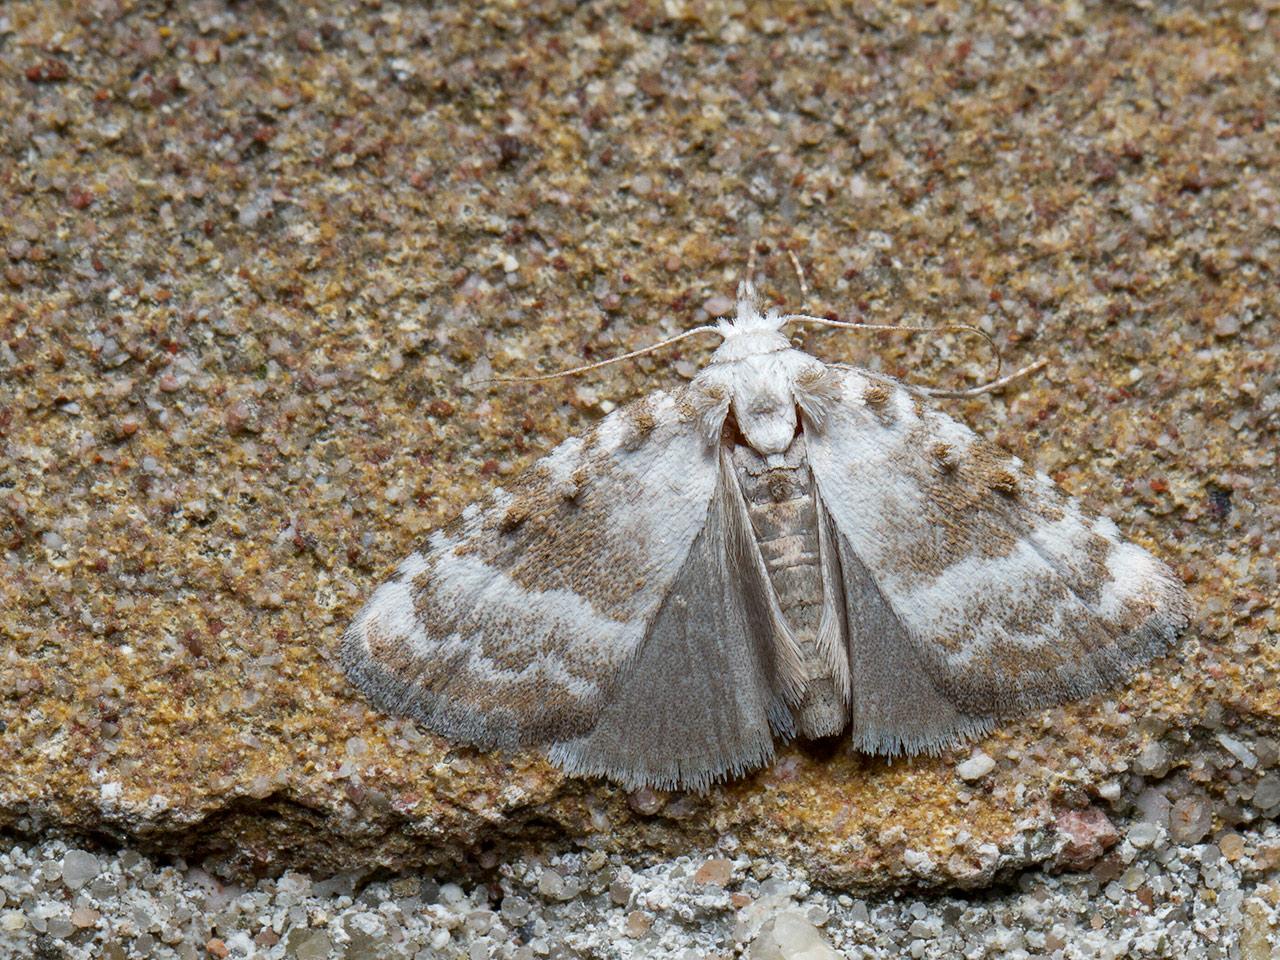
(894, 704)
(708, 688)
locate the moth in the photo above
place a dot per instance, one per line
(781, 548)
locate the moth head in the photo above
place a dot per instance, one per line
(750, 333)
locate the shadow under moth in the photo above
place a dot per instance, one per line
(783, 547)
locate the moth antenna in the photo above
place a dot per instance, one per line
(602, 363)
(991, 385)
(964, 327)
(747, 288)
(804, 287)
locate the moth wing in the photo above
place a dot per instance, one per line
(711, 681)
(524, 621)
(974, 588)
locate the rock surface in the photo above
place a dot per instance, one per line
(1202, 902)
(252, 256)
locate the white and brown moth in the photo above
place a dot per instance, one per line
(783, 547)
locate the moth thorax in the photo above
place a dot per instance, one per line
(741, 344)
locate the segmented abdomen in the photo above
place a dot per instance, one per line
(784, 516)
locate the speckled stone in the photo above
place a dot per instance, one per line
(78, 868)
(1171, 901)
(252, 258)
(790, 936)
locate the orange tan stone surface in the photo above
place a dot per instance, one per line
(253, 259)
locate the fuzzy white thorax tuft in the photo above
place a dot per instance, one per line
(749, 333)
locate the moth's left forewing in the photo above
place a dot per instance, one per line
(513, 623)
(1009, 596)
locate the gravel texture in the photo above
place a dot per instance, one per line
(1151, 897)
(254, 256)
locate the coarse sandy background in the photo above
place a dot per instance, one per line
(253, 257)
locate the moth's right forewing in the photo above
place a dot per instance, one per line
(512, 626)
(972, 583)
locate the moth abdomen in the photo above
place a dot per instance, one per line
(784, 518)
